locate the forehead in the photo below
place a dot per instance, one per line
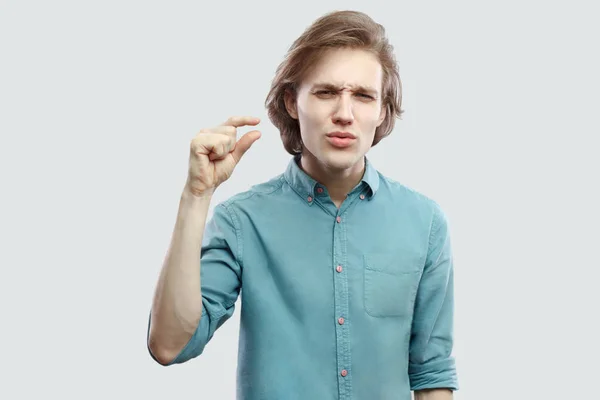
(346, 67)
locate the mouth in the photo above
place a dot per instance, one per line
(343, 135)
(341, 139)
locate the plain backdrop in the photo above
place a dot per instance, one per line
(99, 101)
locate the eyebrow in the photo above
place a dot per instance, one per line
(356, 88)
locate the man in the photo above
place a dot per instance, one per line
(347, 275)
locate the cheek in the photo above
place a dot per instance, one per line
(313, 112)
(368, 114)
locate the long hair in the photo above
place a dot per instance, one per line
(338, 29)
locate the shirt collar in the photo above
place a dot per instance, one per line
(302, 183)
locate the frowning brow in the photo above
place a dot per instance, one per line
(337, 88)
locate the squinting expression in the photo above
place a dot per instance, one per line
(339, 106)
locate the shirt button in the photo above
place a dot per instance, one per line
(344, 372)
(339, 268)
(338, 219)
(362, 196)
(341, 321)
(309, 199)
(319, 190)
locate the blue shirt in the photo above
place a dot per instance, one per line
(348, 303)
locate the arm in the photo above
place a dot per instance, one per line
(177, 303)
(431, 365)
(185, 314)
(213, 301)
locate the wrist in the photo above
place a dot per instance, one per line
(195, 200)
(192, 194)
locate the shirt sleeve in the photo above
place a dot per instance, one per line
(220, 276)
(431, 364)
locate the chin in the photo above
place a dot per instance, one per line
(336, 159)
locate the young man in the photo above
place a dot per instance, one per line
(347, 275)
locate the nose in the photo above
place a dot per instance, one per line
(343, 110)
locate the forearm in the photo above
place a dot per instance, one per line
(434, 394)
(177, 303)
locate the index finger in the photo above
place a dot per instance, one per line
(238, 121)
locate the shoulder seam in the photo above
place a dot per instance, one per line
(238, 233)
(251, 193)
(227, 205)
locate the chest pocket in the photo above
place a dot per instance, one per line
(390, 284)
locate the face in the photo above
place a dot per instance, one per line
(338, 106)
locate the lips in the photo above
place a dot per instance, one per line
(343, 135)
(341, 139)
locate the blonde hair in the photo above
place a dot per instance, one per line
(338, 29)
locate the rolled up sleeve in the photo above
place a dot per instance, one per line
(220, 276)
(431, 364)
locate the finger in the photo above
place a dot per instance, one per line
(215, 145)
(242, 145)
(223, 129)
(228, 130)
(239, 121)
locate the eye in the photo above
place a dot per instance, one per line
(365, 96)
(325, 93)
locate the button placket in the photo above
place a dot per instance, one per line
(341, 304)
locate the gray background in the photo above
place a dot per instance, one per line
(99, 102)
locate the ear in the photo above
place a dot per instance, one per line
(289, 99)
(382, 115)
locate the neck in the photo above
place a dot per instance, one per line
(339, 182)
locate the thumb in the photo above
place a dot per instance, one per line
(245, 142)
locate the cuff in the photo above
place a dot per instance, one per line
(193, 348)
(436, 374)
